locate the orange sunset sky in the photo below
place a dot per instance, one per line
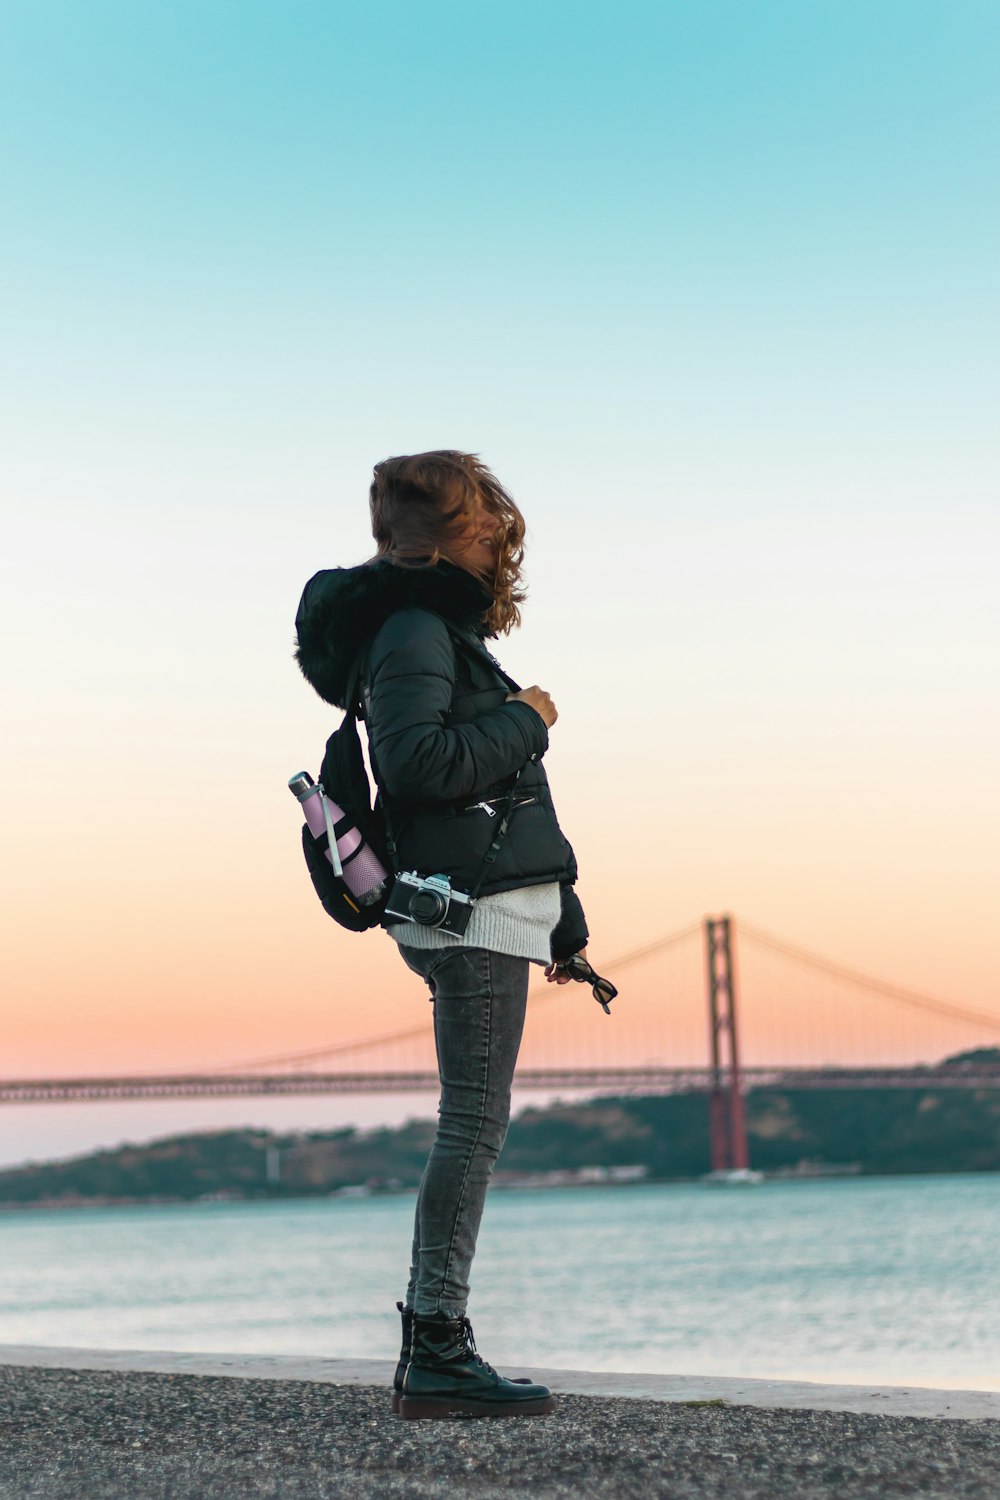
(787, 724)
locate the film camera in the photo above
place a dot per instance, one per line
(431, 901)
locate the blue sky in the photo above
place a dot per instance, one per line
(767, 229)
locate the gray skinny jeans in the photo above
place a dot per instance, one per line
(479, 1001)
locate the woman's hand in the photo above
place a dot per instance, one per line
(538, 699)
(557, 973)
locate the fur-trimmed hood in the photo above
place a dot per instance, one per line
(343, 608)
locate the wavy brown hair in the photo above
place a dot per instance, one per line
(422, 503)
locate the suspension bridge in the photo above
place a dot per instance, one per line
(792, 1029)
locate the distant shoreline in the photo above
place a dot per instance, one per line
(211, 1200)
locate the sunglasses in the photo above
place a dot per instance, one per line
(577, 967)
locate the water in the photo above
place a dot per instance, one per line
(877, 1280)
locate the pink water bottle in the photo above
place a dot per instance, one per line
(358, 866)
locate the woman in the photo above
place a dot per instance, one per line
(449, 741)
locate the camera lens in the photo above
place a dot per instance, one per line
(428, 907)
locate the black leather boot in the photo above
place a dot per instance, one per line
(406, 1313)
(445, 1374)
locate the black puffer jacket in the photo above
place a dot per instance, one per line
(442, 739)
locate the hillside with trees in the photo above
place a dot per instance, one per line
(873, 1130)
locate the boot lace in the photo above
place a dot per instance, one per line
(470, 1344)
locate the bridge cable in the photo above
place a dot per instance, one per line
(895, 992)
(539, 995)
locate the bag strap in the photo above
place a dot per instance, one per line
(479, 651)
(331, 836)
(352, 706)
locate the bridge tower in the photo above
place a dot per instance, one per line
(727, 1121)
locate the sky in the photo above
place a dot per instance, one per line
(712, 288)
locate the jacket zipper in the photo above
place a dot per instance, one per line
(518, 802)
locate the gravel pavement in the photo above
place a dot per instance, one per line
(108, 1435)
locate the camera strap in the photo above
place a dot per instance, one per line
(494, 848)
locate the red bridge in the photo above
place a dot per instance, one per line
(650, 1043)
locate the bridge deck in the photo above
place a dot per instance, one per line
(600, 1080)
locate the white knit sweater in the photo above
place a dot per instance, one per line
(516, 922)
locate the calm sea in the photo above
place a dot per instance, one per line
(890, 1280)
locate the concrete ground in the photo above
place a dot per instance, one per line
(119, 1425)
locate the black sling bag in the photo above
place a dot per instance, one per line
(344, 781)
